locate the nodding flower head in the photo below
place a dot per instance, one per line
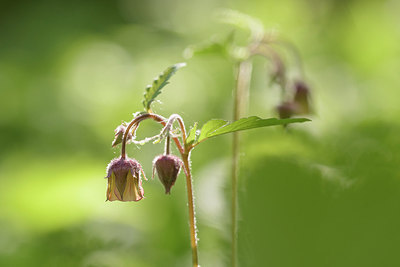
(167, 167)
(124, 182)
(302, 97)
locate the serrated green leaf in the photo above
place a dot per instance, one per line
(153, 90)
(191, 138)
(214, 128)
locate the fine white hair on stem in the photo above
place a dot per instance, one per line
(167, 129)
(171, 121)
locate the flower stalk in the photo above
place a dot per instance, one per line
(192, 218)
(240, 105)
(185, 155)
(167, 145)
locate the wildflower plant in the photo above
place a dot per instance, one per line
(124, 173)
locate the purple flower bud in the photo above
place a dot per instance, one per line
(302, 97)
(286, 110)
(167, 167)
(119, 134)
(124, 182)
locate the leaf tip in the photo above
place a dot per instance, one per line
(180, 65)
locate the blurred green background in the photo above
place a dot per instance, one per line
(326, 193)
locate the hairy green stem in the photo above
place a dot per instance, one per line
(140, 118)
(189, 187)
(192, 217)
(134, 122)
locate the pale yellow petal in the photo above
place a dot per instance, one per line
(133, 191)
(112, 191)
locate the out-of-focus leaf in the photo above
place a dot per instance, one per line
(153, 90)
(214, 45)
(243, 21)
(204, 48)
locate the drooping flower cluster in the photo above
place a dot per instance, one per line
(124, 174)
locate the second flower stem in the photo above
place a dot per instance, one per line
(240, 105)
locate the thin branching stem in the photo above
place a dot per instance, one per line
(167, 144)
(143, 117)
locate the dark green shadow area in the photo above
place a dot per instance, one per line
(336, 206)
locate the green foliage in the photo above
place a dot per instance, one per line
(209, 127)
(153, 90)
(243, 21)
(341, 190)
(228, 46)
(218, 127)
(213, 46)
(191, 138)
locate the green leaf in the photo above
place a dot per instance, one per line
(204, 48)
(218, 127)
(153, 90)
(214, 45)
(191, 138)
(209, 127)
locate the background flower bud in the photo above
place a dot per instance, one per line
(302, 97)
(286, 110)
(167, 167)
(124, 182)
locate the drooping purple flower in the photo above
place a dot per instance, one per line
(286, 110)
(167, 167)
(124, 181)
(302, 97)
